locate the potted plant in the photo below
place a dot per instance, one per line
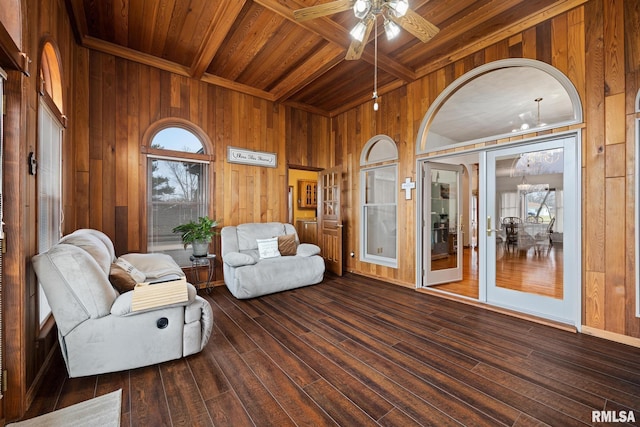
(198, 234)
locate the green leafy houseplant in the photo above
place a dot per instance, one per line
(198, 234)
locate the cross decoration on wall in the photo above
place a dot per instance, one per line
(407, 186)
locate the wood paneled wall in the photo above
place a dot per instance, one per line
(597, 46)
(308, 139)
(125, 100)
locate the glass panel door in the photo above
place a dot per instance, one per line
(442, 224)
(330, 218)
(532, 214)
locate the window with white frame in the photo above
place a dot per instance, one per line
(545, 204)
(509, 204)
(49, 183)
(177, 188)
(379, 201)
(46, 163)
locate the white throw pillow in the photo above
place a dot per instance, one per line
(268, 248)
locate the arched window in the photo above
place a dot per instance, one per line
(50, 75)
(379, 201)
(178, 184)
(499, 100)
(48, 158)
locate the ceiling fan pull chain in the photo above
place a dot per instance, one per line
(375, 66)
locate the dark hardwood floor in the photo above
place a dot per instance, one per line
(354, 351)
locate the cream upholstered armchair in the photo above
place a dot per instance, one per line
(97, 330)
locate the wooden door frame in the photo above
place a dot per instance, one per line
(293, 186)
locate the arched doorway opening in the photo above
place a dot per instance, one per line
(499, 117)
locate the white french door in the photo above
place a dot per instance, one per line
(442, 239)
(531, 215)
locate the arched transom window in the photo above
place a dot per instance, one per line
(499, 100)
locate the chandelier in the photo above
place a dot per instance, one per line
(527, 117)
(537, 163)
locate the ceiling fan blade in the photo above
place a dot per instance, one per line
(324, 9)
(357, 47)
(416, 25)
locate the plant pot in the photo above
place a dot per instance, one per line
(200, 248)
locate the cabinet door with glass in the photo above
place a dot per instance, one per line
(307, 194)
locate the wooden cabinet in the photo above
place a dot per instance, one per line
(307, 194)
(307, 231)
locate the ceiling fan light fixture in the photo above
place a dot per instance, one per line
(399, 7)
(358, 31)
(361, 8)
(391, 29)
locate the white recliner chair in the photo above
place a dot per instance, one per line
(97, 330)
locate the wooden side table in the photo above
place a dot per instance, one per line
(209, 262)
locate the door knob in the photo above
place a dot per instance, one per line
(489, 229)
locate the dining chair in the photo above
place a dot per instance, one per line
(543, 238)
(511, 224)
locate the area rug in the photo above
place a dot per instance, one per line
(101, 411)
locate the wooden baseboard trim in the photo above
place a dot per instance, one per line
(512, 313)
(611, 336)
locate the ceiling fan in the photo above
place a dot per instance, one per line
(396, 14)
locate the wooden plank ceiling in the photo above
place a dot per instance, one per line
(257, 47)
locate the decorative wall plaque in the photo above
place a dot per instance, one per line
(250, 157)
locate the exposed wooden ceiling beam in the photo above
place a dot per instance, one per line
(172, 67)
(306, 107)
(216, 32)
(79, 19)
(239, 87)
(515, 28)
(134, 55)
(321, 62)
(381, 91)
